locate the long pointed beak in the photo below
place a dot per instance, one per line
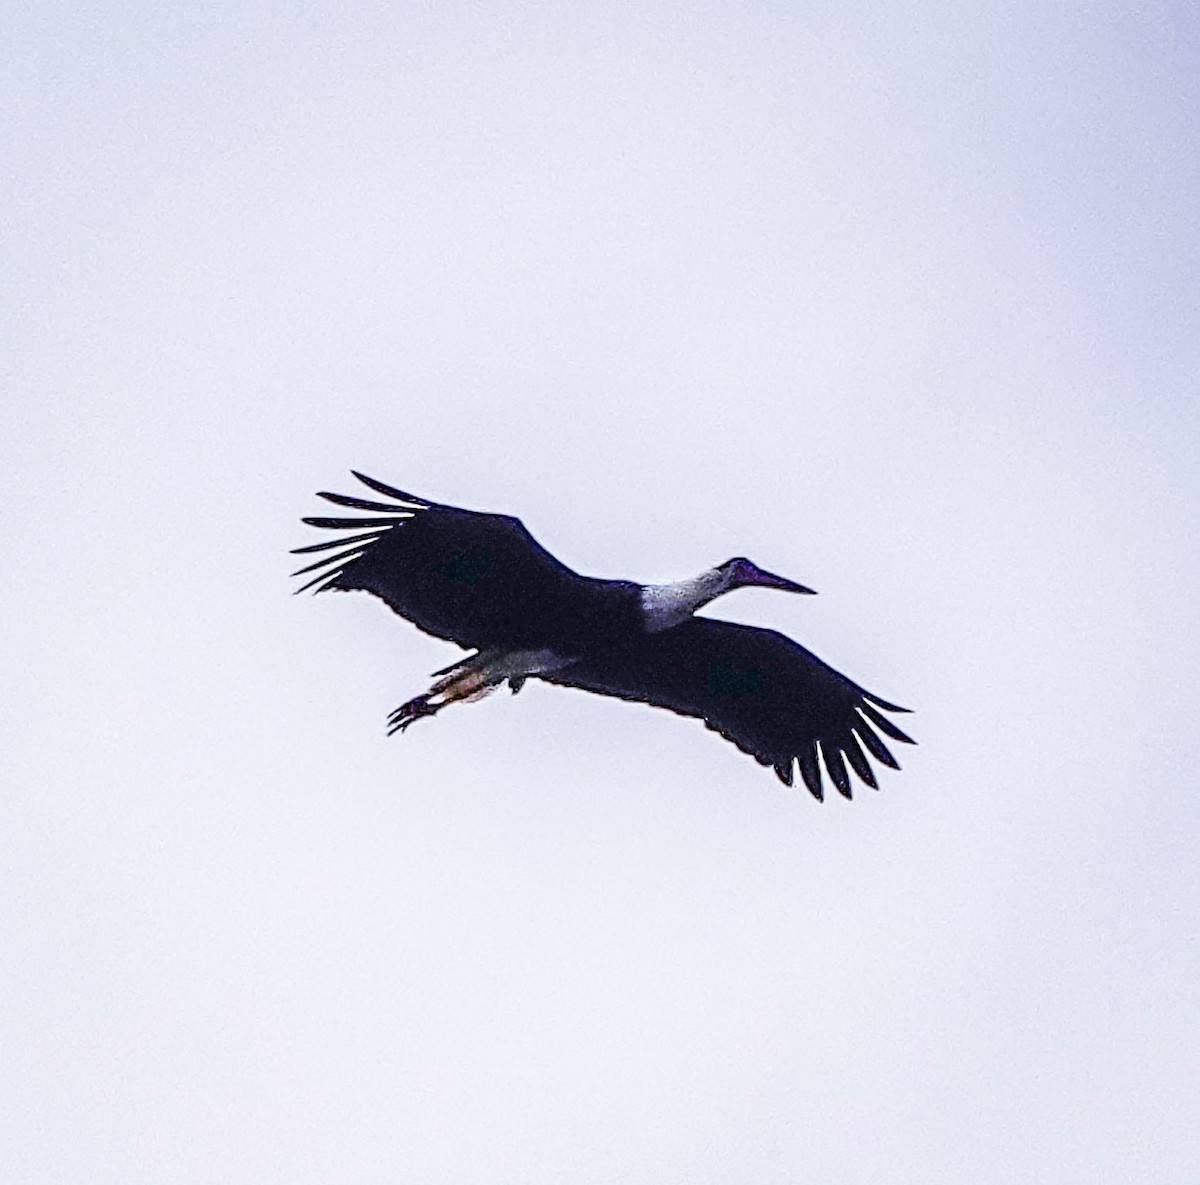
(770, 580)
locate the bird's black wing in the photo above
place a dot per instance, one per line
(757, 688)
(471, 578)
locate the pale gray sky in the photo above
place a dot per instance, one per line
(900, 303)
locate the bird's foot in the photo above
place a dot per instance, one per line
(405, 714)
(460, 687)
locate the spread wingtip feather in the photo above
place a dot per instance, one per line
(380, 488)
(335, 560)
(328, 577)
(884, 724)
(837, 768)
(850, 747)
(810, 771)
(356, 503)
(369, 536)
(342, 524)
(878, 749)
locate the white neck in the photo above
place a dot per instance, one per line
(667, 605)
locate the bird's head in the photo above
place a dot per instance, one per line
(743, 573)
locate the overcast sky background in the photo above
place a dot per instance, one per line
(900, 301)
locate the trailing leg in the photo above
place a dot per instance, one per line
(474, 677)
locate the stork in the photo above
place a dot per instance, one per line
(483, 582)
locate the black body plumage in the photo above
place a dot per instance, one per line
(483, 582)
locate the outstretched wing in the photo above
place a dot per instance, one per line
(767, 694)
(475, 579)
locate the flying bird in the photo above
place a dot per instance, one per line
(483, 582)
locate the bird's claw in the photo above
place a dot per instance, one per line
(459, 687)
(404, 715)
